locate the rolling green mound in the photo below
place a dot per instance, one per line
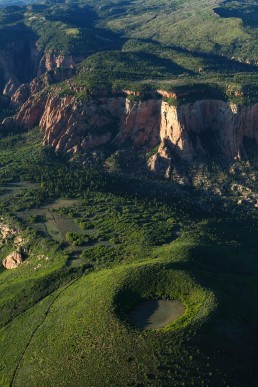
(163, 43)
(94, 244)
(64, 324)
(95, 338)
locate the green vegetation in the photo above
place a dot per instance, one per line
(117, 244)
(171, 101)
(158, 45)
(96, 243)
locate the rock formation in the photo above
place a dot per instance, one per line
(6, 231)
(212, 128)
(18, 64)
(50, 61)
(51, 77)
(22, 61)
(13, 260)
(139, 122)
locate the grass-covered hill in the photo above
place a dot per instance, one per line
(163, 44)
(94, 245)
(64, 29)
(174, 41)
(194, 25)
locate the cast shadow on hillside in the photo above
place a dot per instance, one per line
(214, 60)
(230, 336)
(247, 12)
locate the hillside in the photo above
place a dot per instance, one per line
(207, 44)
(84, 283)
(128, 193)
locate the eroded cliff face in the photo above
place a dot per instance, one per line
(139, 122)
(22, 61)
(37, 84)
(71, 125)
(18, 64)
(205, 128)
(49, 61)
(208, 127)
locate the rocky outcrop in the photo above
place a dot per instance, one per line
(50, 61)
(139, 122)
(162, 161)
(22, 61)
(28, 116)
(57, 75)
(6, 231)
(18, 64)
(13, 260)
(19, 241)
(71, 125)
(212, 128)
(10, 235)
(11, 86)
(21, 95)
(207, 128)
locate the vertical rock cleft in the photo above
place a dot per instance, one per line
(205, 128)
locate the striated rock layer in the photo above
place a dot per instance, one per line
(205, 128)
(189, 131)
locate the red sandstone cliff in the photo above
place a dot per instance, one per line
(51, 77)
(21, 61)
(202, 128)
(49, 61)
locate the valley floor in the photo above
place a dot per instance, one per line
(92, 253)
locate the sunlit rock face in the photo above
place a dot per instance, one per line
(13, 260)
(189, 131)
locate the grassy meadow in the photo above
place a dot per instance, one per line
(65, 310)
(96, 243)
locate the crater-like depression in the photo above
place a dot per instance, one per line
(156, 314)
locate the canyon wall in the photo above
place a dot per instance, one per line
(212, 128)
(58, 74)
(205, 128)
(49, 61)
(18, 64)
(21, 61)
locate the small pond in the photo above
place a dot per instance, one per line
(155, 314)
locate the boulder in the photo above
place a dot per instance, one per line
(13, 260)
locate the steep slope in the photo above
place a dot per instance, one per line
(65, 309)
(39, 38)
(204, 128)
